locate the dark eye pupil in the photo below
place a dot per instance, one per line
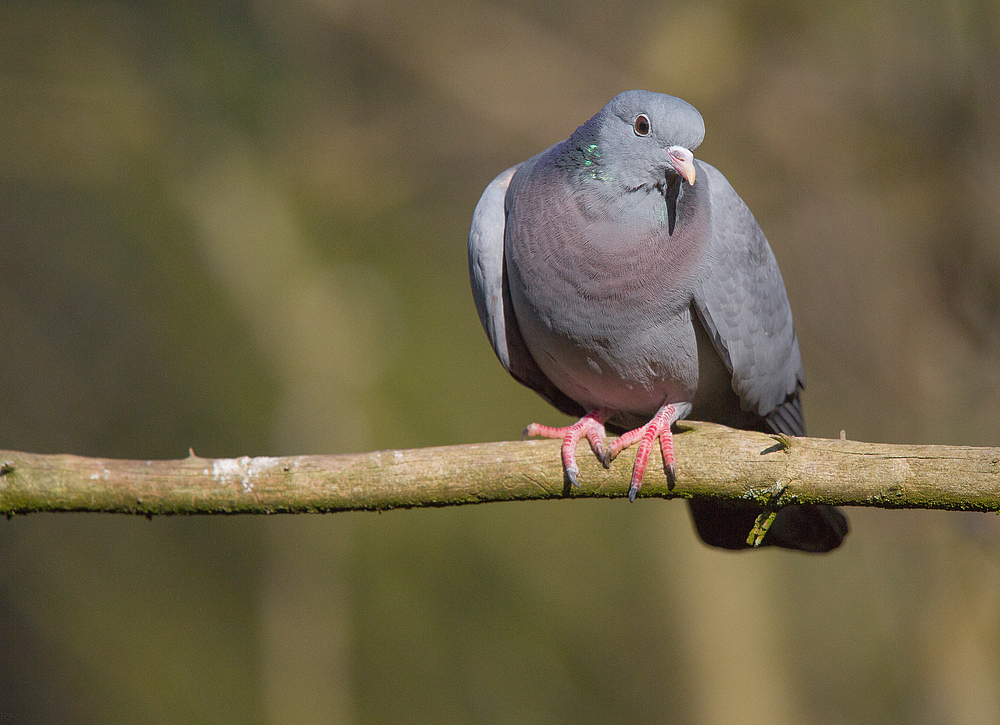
(641, 125)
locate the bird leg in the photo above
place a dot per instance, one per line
(590, 426)
(658, 427)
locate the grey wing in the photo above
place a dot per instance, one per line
(486, 262)
(488, 276)
(741, 301)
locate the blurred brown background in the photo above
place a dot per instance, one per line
(240, 227)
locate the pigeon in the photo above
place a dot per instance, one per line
(628, 284)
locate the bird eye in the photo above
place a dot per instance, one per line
(641, 125)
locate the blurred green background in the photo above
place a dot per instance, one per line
(240, 227)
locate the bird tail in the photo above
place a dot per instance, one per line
(804, 527)
(726, 524)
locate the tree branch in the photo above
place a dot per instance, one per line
(712, 461)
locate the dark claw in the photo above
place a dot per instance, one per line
(572, 475)
(632, 493)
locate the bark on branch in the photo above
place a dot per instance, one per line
(712, 461)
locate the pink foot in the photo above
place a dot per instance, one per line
(590, 426)
(658, 427)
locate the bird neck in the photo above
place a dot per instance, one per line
(582, 156)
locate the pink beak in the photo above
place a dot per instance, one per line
(683, 161)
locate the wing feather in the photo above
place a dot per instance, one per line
(488, 275)
(741, 301)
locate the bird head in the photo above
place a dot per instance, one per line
(641, 138)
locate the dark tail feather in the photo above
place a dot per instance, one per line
(726, 524)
